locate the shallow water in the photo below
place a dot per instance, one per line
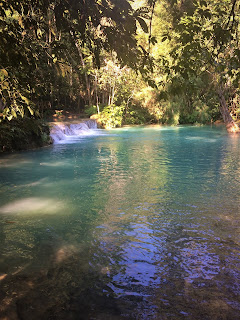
(132, 223)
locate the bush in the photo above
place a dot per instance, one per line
(200, 113)
(90, 110)
(23, 133)
(111, 116)
(138, 115)
(170, 113)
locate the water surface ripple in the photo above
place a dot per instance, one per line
(135, 223)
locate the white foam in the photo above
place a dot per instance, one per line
(70, 133)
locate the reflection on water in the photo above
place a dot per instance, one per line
(140, 223)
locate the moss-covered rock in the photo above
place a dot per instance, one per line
(23, 134)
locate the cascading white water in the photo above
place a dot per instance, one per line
(68, 132)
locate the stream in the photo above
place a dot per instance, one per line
(129, 223)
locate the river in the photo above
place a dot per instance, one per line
(130, 223)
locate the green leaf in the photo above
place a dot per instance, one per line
(203, 3)
(153, 40)
(142, 24)
(152, 83)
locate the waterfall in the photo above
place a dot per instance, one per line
(63, 132)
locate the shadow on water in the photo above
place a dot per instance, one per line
(155, 268)
(69, 287)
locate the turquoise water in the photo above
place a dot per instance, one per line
(132, 223)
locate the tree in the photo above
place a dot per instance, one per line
(206, 44)
(41, 39)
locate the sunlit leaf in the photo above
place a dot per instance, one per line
(39, 33)
(13, 112)
(3, 72)
(25, 99)
(30, 110)
(5, 85)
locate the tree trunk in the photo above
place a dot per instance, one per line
(96, 91)
(112, 92)
(227, 118)
(87, 80)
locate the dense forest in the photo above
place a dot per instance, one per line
(125, 62)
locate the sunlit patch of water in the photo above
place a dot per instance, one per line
(32, 205)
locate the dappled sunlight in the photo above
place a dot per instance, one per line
(56, 164)
(37, 183)
(3, 276)
(51, 185)
(233, 128)
(13, 162)
(204, 139)
(31, 205)
(161, 127)
(65, 252)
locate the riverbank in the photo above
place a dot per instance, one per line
(23, 134)
(28, 133)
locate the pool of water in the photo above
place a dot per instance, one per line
(132, 223)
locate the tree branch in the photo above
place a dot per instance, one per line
(150, 26)
(232, 14)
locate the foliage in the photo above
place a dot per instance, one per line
(136, 114)
(90, 110)
(115, 116)
(50, 48)
(235, 107)
(23, 133)
(205, 45)
(111, 116)
(97, 57)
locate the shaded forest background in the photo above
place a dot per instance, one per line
(127, 62)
